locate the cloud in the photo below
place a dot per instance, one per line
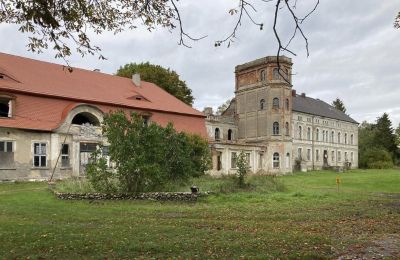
(354, 52)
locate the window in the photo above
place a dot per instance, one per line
(287, 104)
(299, 118)
(339, 156)
(217, 134)
(288, 160)
(233, 160)
(352, 139)
(333, 137)
(6, 154)
(333, 156)
(300, 132)
(65, 155)
(230, 135)
(85, 118)
(262, 104)
(262, 75)
(338, 138)
(275, 74)
(248, 158)
(275, 103)
(352, 156)
(323, 135)
(275, 160)
(287, 129)
(317, 155)
(308, 154)
(275, 128)
(345, 138)
(299, 153)
(5, 107)
(39, 155)
(146, 120)
(345, 157)
(317, 135)
(308, 133)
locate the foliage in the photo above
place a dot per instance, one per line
(339, 105)
(221, 109)
(309, 220)
(386, 137)
(165, 78)
(397, 21)
(376, 158)
(242, 168)
(147, 157)
(397, 132)
(100, 177)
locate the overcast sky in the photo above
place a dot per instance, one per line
(354, 52)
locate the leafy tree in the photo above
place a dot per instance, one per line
(147, 157)
(165, 78)
(243, 168)
(66, 24)
(377, 158)
(339, 105)
(223, 107)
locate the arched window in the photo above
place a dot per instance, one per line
(300, 132)
(262, 75)
(230, 134)
(287, 128)
(308, 133)
(345, 138)
(275, 128)
(275, 160)
(351, 139)
(275, 74)
(323, 135)
(317, 135)
(217, 134)
(288, 160)
(287, 104)
(262, 104)
(338, 138)
(333, 137)
(85, 118)
(275, 103)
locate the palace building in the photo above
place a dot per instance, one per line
(279, 130)
(50, 118)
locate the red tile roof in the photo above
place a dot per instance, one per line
(45, 91)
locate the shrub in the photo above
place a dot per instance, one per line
(99, 176)
(376, 158)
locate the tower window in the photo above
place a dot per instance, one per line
(275, 160)
(287, 104)
(287, 128)
(275, 74)
(262, 75)
(262, 104)
(275, 103)
(217, 134)
(230, 135)
(275, 128)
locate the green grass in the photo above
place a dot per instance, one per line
(297, 216)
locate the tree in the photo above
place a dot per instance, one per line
(66, 24)
(165, 78)
(221, 109)
(147, 157)
(243, 168)
(397, 21)
(339, 105)
(385, 134)
(397, 132)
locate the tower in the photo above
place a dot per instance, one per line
(264, 105)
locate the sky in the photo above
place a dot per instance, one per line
(354, 51)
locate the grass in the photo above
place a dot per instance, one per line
(303, 216)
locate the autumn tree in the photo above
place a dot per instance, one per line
(65, 25)
(167, 79)
(339, 105)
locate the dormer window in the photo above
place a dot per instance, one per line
(6, 104)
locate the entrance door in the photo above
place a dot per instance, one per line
(325, 158)
(85, 151)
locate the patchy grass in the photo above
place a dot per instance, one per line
(297, 216)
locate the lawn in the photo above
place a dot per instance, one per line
(308, 218)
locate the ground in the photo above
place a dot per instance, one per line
(310, 219)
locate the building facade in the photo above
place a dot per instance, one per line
(278, 130)
(50, 119)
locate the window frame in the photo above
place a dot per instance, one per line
(276, 161)
(275, 103)
(233, 160)
(275, 128)
(41, 155)
(65, 156)
(262, 104)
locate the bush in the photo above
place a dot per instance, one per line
(147, 157)
(242, 168)
(376, 158)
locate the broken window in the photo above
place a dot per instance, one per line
(65, 155)
(39, 155)
(6, 154)
(5, 107)
(85, 118)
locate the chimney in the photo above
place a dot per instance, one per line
(136, 79)
(303, 95)
(293, 93)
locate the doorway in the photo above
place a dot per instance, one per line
(85, 152)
